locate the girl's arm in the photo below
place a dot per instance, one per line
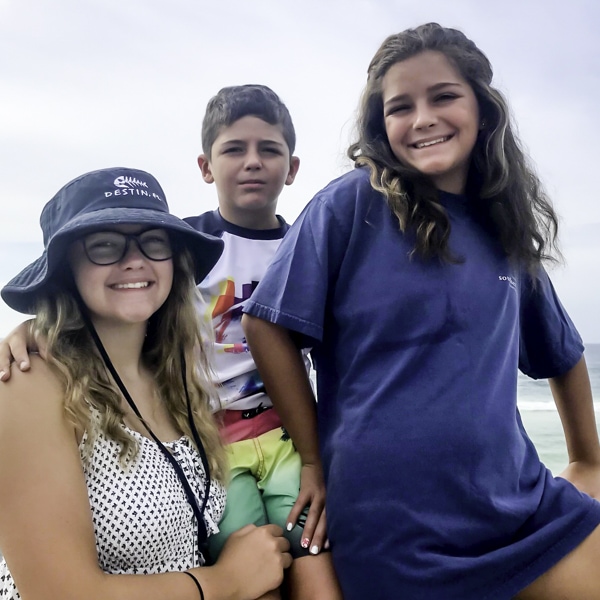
(284, 374)
(573, 396)
(46, 530)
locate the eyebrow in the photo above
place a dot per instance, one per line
(433, 88)
(261, 142)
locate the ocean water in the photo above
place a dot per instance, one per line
(540, 416)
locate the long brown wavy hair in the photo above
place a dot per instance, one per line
(509, 197)
(174, 332)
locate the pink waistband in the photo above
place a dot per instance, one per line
(238, 425)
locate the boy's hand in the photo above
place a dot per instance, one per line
(16, 347)
(312, 494)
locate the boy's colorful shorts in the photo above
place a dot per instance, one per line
(263, 486)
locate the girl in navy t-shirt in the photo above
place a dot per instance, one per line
(417, 279)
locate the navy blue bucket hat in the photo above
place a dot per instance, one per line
(96, 200)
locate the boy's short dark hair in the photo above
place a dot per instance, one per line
(238, 101)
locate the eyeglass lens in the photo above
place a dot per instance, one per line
(109, 247)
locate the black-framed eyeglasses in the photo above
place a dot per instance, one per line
(109, 247)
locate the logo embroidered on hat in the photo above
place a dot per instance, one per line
(130, 186)
(129, 182)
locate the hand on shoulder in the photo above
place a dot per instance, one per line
(15, 349)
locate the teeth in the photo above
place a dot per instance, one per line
(131, 286)
(432, 142)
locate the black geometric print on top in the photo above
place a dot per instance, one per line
(142, 519)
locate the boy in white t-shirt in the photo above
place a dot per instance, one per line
(248, 142)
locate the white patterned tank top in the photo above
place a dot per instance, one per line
(142, 519)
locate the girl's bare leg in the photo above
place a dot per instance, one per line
(313, 578)
(272, 595)
(575, 577)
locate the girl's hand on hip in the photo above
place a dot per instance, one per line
(585, 476)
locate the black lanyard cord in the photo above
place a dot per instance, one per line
(191, 498)
(196, 436)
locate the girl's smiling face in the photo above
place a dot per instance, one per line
(128, 291)
(431, 118)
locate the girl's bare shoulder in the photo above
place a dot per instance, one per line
(38, 385)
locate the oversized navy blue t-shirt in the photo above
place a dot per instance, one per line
(434, 490)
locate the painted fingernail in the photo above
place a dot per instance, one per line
(23, 365)
(289, 526)
(2, 374)
(305, 542)
(326, 545)
(314, 550)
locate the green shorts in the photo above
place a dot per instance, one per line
(264, 484)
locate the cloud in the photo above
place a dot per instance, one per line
(105, 82)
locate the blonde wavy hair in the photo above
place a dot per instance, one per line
(175, 332)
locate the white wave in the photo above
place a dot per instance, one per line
(548, 406)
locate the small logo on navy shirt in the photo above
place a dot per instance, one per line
(511, 280)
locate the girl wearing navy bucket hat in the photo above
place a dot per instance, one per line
(111, 478)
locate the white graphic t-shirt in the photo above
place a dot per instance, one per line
(245, 259)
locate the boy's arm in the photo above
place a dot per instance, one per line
(15, 347)
(284, 374)
(573, 396)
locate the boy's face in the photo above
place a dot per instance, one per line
(249, 163)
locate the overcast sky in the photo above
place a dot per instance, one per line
(88, 84)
